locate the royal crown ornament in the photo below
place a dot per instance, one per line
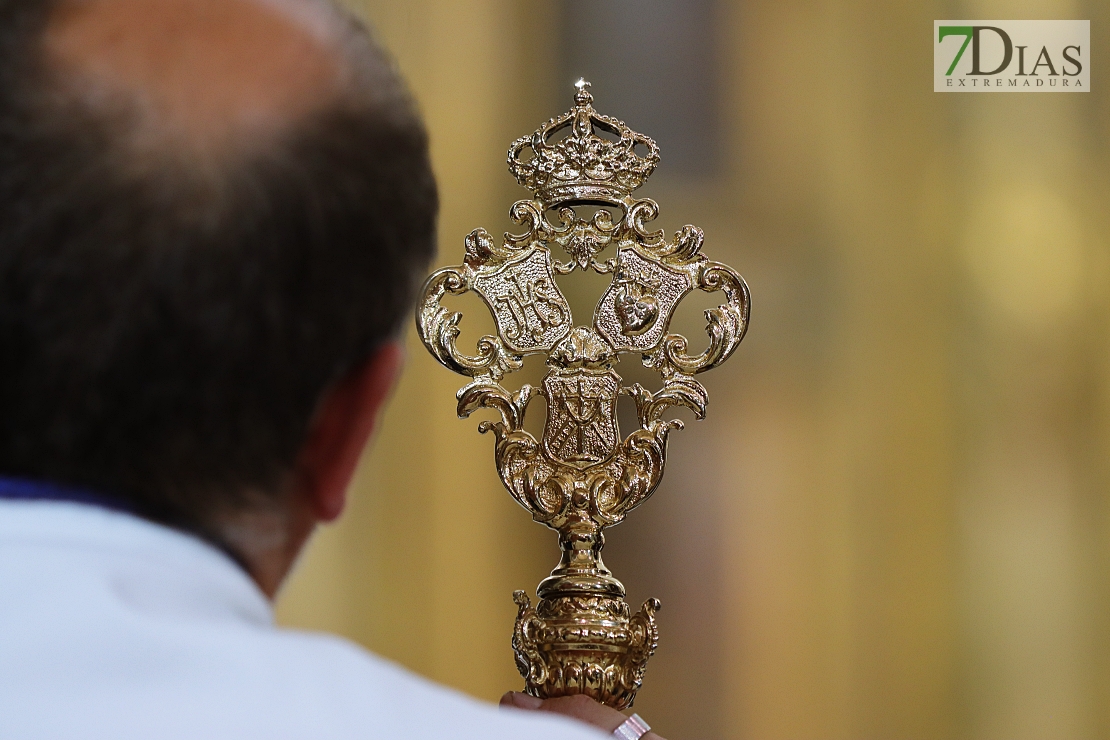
(582, 166)
(582, 476)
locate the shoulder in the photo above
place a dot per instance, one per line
(358, 692)
(114, 628)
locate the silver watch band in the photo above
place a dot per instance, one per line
(632, 728)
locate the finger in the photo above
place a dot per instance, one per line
(518, 700)
(584, 708)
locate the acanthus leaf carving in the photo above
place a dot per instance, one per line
(439, 329)
(725, 325)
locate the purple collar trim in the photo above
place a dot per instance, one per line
(27, 489)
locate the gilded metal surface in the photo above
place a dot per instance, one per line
(582, 476)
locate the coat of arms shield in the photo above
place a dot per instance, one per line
(581, 427)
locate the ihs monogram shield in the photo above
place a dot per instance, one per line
(581, 427)
(530, 310)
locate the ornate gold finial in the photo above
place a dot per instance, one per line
(582, 476)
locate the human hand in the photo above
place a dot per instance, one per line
(580, 707)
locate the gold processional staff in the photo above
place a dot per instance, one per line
(581, 637)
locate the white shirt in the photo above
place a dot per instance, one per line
(117, 628)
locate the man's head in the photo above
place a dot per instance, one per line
(213, 215)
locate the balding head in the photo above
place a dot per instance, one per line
(210, 210)
(200, 71)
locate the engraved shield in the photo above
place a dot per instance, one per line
(634, 312)
(581, 427)
(531, 312)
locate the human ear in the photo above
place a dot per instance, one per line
(344, 422)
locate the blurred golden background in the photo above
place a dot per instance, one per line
(895, 521)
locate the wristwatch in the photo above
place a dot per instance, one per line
(632, 728)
